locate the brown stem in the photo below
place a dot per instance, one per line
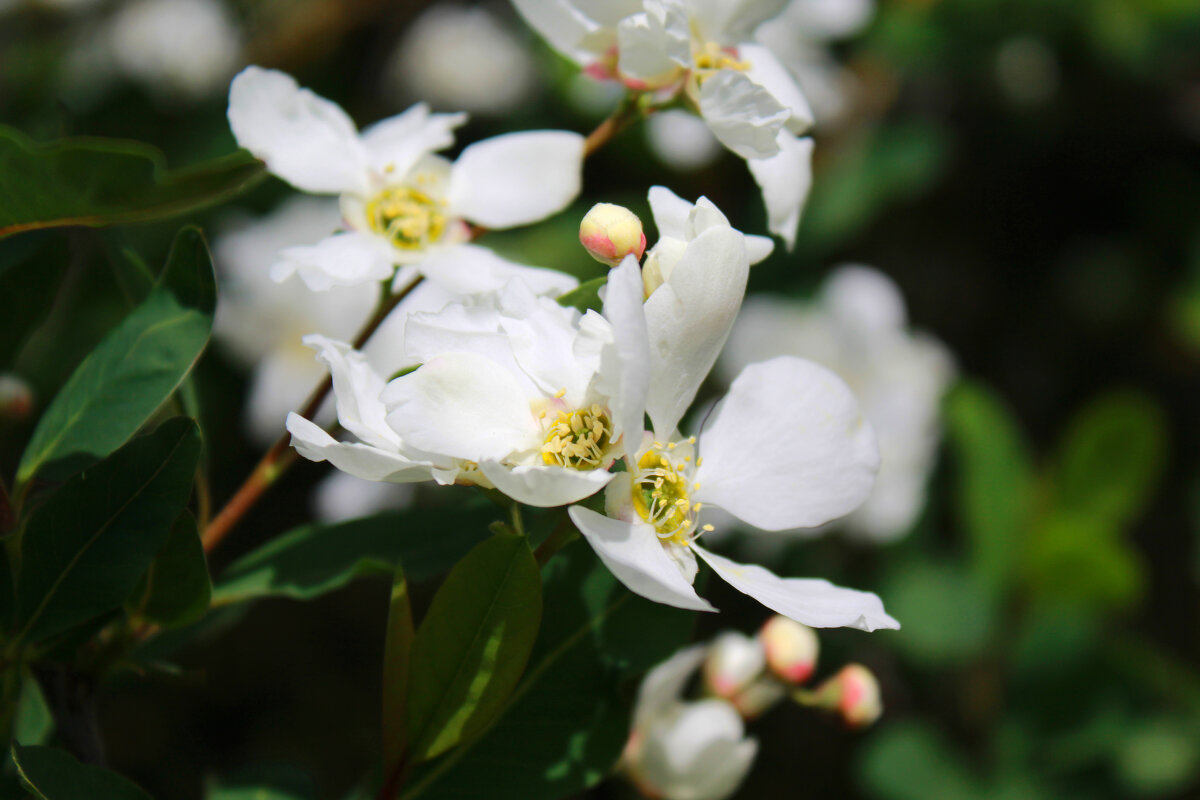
(281, 456)
(624, 115)
(563, 534)
(394, 781)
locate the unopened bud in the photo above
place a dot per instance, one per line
(759, 696)
(734, 662)
(16, 398)
(791, 649)
(853, 693)
(610, 232)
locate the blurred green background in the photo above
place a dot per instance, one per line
(1028, 171)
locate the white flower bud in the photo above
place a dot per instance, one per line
(611, 232)
(16, 398)
(854, 694)
(734, 662)
(791, 649)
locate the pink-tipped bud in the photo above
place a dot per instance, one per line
(16, 398)
(734, 661)
(791, 649)
(854, 693)
(610, 232)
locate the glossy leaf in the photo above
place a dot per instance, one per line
(176, 590)
(995, 481)
(1111, 457)
(585, 296)
(34, 722)
(315, 559)
(98, 182)
(471, 648)
(568, 720)
(51, 774)
(397, 651)
(86, 547)
(132, 372)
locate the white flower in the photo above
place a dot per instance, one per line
(734, 661)
(681, 140)
(400, 203)
(341, 496)
(703, 51)
(785, 448)
(175, 47)
(682, 750)
(858, 328)
(800, 37)
(456, 56)
(540, 398)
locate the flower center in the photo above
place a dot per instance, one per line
(711, 57)
(410, 218)
(660, 491)
(578, 439)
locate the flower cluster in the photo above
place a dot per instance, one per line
(697, 749)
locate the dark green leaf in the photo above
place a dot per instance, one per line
(263, 783)
(397, 651)
(134, 369)
(472, 645)
(568, 720)
(995, 491)
(1111, 457)
(948, 619)
(1081, 560)
(31, 269)
(8, 591)
(315, 559)
(85, 548)
(98, 182)
(54, 775)
(585, 296)
(910, 761)
(34, 722)
(176, 590)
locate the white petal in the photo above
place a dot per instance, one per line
(344, 259)
(562, 25)
(356, 388)
(769, 73)
(341, 496)
(688, 320)
(864, 300)
(670, 212)
(787, 447)
(695, 751)
(785, 180)
(545, 487)
(280, 383)
(744, 116)
(467, 269)
(361, 460)
(653, 45)
(663, 686)
(517, 178)
(625, 365)
(810, 601)
(461, 405)
(395, 145)
(303, 138)
(728, 22)
(633, 553)
(758, 248)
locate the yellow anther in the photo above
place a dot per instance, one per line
(708, 529)
(697, 506)
(560, 393)
(412, 220)
(578, 440)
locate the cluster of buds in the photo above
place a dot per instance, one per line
(684, 749)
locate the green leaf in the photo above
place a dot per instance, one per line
(31, 269)
(176, 590)
(98, 182)
(85, 548)
(948, 618)
(312, 560)
(1081, 560)
(8, 591)
(995, 491)
(263, 783)
(910, 761)
(134, 369)
(397, 651)
(1159, 757)
(34, 722)
(54, 775)
(585, 296)
(1111, 457)
(568, 720)
(472, 645)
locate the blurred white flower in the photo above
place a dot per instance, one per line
(681, 140)
(175, 47)
(734, 661)
(857, 326)
(703, 52)
(681, 750)
(341, 496)
(462, 57)
(401, 203)
(800, 37)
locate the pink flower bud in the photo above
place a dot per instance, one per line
(791, 649)
(858, 698)
(610, 232)
(734, 661)
(16, 398)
